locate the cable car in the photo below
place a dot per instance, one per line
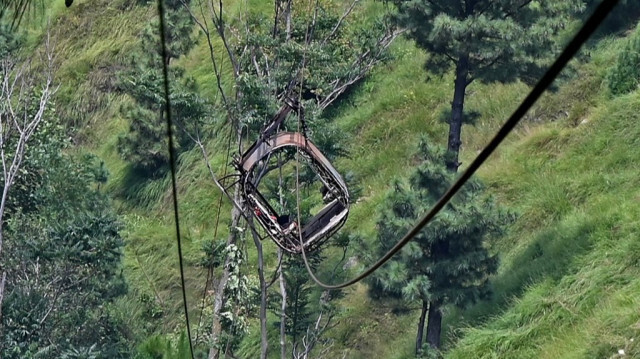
(283, 229)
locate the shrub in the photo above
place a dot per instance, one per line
(624, 76)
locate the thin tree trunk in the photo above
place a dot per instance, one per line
(434, 325)
(420, 335)
(288, 19)
(281, 279)
(218, 299)
(264, 345)
(216, 327)
(457, 110)
(283, 309)
(2, 283)
(5, 193)
(3, 201)
(294, 319)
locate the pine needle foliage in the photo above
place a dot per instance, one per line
(625, 15)
(488, 41)
(144, 145)
(448, 263)
(500, 40)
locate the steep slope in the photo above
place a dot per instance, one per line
(570, 265)
(567, 286)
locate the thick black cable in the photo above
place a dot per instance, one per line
(569, 52)
(172, 163)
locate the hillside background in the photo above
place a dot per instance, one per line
(568, 282)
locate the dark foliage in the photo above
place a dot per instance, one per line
(448, 263)
(62, 256)
(144, 146)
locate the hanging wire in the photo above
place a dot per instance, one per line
(172, 163)
(581, 37)
(569, 52)
(215, 235)
(304, 58)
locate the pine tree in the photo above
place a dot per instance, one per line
(484, 40)
(144, 145)
(299, 315)
(448, 262)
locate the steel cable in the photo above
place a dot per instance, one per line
(172, 164)
(569, 52)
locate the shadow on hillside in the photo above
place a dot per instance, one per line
(548, 256)
(140, 190)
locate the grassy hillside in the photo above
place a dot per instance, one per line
(568, 279)
(567, 285)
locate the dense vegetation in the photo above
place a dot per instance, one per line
(545, 263)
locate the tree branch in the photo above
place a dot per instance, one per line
(339, 23)
(364, 62)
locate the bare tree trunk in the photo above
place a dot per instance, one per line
(287, 15)
(420, 335)
(3, 201)
(264, 344)
(218, 299)
(457, 111)
(2, 283)
(216, 327)
(281, 279)
(309, 341)
(434, 325)
(283, 308)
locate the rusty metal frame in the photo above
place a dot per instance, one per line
(321, 226)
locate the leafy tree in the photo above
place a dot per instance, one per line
(63, 255)
(624, 76)
(23, 107)
(62, 249)
(448, 262)
(316, 55)
(484, 40)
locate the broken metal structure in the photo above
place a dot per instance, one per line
(290, 235)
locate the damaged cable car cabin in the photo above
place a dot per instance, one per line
(284, 229)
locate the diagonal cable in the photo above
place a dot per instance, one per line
(569, 52)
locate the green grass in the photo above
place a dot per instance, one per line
(546, 173)
(566, 287)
